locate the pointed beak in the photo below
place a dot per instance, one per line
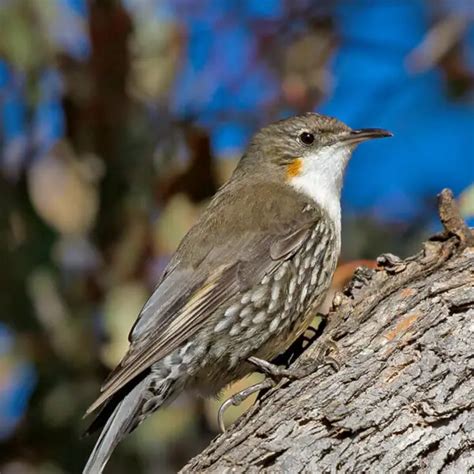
(363, 134)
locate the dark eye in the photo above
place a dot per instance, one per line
(307, 138)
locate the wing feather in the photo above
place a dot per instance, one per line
(187, 295)
(183, 326)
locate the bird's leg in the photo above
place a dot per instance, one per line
(239, 397)
(322, 358)
(276, 372)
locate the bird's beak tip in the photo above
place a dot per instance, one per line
(363, 134)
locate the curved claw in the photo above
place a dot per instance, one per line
(220, 413)
(239, 397)
(333, 363)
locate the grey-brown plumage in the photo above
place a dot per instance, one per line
(245, 280)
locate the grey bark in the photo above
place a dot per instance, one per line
(402, 400)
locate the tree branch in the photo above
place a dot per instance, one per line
(403, 398)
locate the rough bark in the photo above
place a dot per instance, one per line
(402, 399)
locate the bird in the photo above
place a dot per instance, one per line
(244, 282)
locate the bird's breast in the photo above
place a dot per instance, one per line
(265, 319)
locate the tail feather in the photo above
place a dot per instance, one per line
(121, 422)
(147, 396)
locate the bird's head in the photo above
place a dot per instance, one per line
(309, 152)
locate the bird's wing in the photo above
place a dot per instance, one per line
(188, 294)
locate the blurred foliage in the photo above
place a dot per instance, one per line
(24, 23)
(119, 120)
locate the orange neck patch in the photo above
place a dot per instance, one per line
(294, 168)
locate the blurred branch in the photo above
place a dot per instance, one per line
(442, 37)
(198, 180)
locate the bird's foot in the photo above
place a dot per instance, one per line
(277, 372)
(239, 397)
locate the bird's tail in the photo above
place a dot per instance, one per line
(120, 422)
(126, 416)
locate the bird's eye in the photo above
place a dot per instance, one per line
(306, 138)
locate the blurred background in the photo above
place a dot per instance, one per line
(120, 119)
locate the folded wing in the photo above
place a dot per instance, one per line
(193, 288)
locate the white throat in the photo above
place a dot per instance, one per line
(321, 179)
